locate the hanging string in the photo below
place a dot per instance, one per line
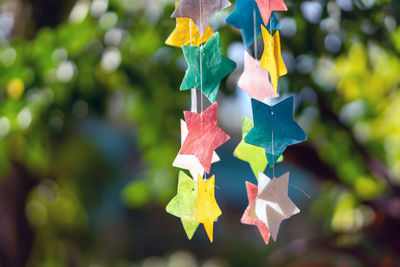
(193, 92)
(272, 113)
(301, 190)
(255, 33)
(201, 65)
(201, 74)
(273, 153)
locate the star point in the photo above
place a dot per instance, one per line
(214, 67)
(274, 128)
(186, 33)
(271, 59)
(273, 204)
(254, 155)
(254, 79)
(267, 6)
(204, 135)
(190, 162)
(183, 205)
(249, 216)
(200, 11)
(247, 17)
(207, 210)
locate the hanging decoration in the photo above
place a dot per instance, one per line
(195, 201)
(186, 33)
(264, 141)
(207, 68)
(272, 204)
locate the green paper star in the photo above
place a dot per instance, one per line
(183, 205)
(214, 67)
(254, 155)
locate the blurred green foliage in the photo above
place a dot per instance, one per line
(111, 64)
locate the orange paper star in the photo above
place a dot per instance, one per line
(267, 6)
(271, 59)
(186, 33)
(207, 210)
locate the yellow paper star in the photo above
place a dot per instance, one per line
(271, 59)
(207, 210)
(186, 33)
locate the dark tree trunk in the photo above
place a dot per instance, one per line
(15, 233)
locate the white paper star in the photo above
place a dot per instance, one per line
(190, 162)
(200, 11)
(273, 204)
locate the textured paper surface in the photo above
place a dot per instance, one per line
(190, 162)
(214, 67)
(254, 79)
(254, 155)
(251, 219)
(273, 204)
(200, 11)
(184, 204)
(207, 208)
(274, 128)
(267, 6)
(243, 17)
(271, 59)
(204, 135)
(186, 33)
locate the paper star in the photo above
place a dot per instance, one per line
(274, 128)
(200, 11)
(207, 210)
(254, 79)
(273, 204)
(190, 162)
(247, 218)
(183, 205)
(271, 59)
(204, 135)
(246, 12)
(254, 155)
(186, 33)
(267, 6)
(214, 67)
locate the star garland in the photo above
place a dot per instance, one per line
(264, 141)
(195, 201)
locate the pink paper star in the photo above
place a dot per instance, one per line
(190, 162)
(267, 6)
(255, 79)
(204, 135)
(252, 192)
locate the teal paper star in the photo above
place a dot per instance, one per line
(243, 18)
(274, 128)
(214, 67)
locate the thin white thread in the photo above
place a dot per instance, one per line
(193, 92)
(301, 190)
(273, 156)
(255, 33)
(201, 74)
(201, 64)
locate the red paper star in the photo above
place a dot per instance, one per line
(252, 219)
(204, 135)
(267, 6)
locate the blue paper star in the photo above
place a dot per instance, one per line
(274, 128)
(243, 18)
